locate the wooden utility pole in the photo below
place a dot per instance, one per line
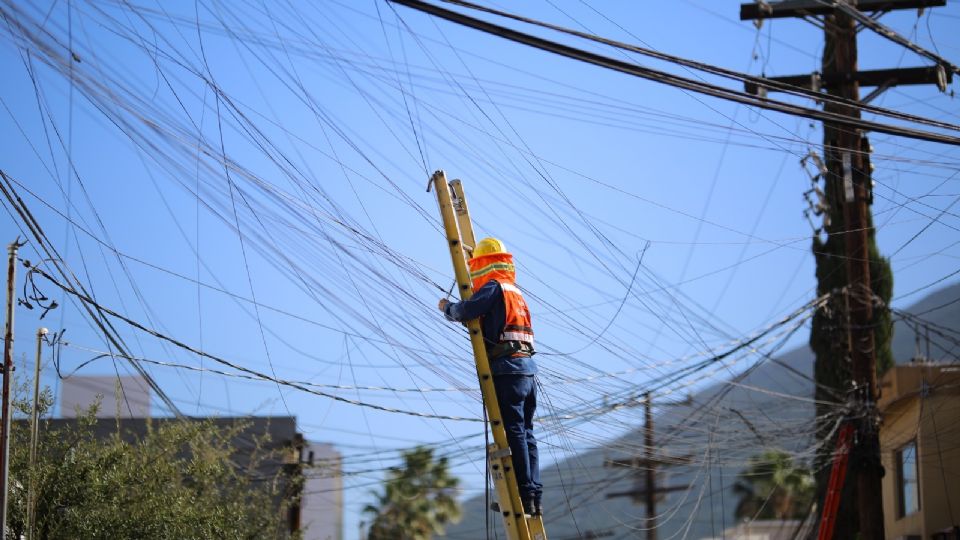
(648, 464)
(847, 163)
(7, 375)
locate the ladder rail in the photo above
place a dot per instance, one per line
(838, 474)
(501, 464)
(463, 217)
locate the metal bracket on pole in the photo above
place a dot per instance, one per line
(943, 77)
(499, 454)
(878, 90)
(764, 9)
(848, 192)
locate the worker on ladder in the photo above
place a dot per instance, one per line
(508, 335)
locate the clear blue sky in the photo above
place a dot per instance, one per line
(333, 115)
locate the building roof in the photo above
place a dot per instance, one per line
(910, 380)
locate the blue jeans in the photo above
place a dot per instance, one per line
(517, 396)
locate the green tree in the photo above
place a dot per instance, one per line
(773, 487)
(417, 500)
(180, 481)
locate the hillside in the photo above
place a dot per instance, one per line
(575, 489)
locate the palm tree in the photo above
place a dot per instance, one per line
(773, 487)
(417, 500)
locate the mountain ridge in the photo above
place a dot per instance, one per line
(575, 490)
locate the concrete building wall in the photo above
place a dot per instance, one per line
(939, 441)
(900, 426)
(322, 504)
(921, 403)
(763, 530)
(128, 397)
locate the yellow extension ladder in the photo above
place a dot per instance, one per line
(460, 239)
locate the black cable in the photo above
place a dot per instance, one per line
(891, 34)
(101, 322)
(674, 80)
(709, 68)
(263, 376)
(616, 313)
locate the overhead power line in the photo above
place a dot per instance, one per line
(44, 247)
(893, 36)
(252, 373)
(778, 85)
(674, 80)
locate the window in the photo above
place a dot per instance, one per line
(908, 481)
(946, 534)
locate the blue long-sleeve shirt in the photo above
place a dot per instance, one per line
(487, 303)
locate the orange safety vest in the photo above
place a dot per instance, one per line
(517, 327)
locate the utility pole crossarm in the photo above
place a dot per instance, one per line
(875, 77)
(800, 8)
(643, 493)
(635, 462)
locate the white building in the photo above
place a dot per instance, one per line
(786, 529)
(321, 508)
(126, 397)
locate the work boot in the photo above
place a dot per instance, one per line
(537, 507)
(528, 506)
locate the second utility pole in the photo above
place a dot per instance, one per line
(647, 492)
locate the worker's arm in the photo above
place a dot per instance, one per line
(479, 304)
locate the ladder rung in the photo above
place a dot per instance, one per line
(501, 453)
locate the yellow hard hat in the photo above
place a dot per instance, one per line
(488, 246)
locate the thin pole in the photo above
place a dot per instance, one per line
(34, 432)
(7, 375)
(651, 491)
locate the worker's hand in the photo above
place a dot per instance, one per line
(443, 304)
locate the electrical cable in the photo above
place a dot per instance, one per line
(674, 80)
